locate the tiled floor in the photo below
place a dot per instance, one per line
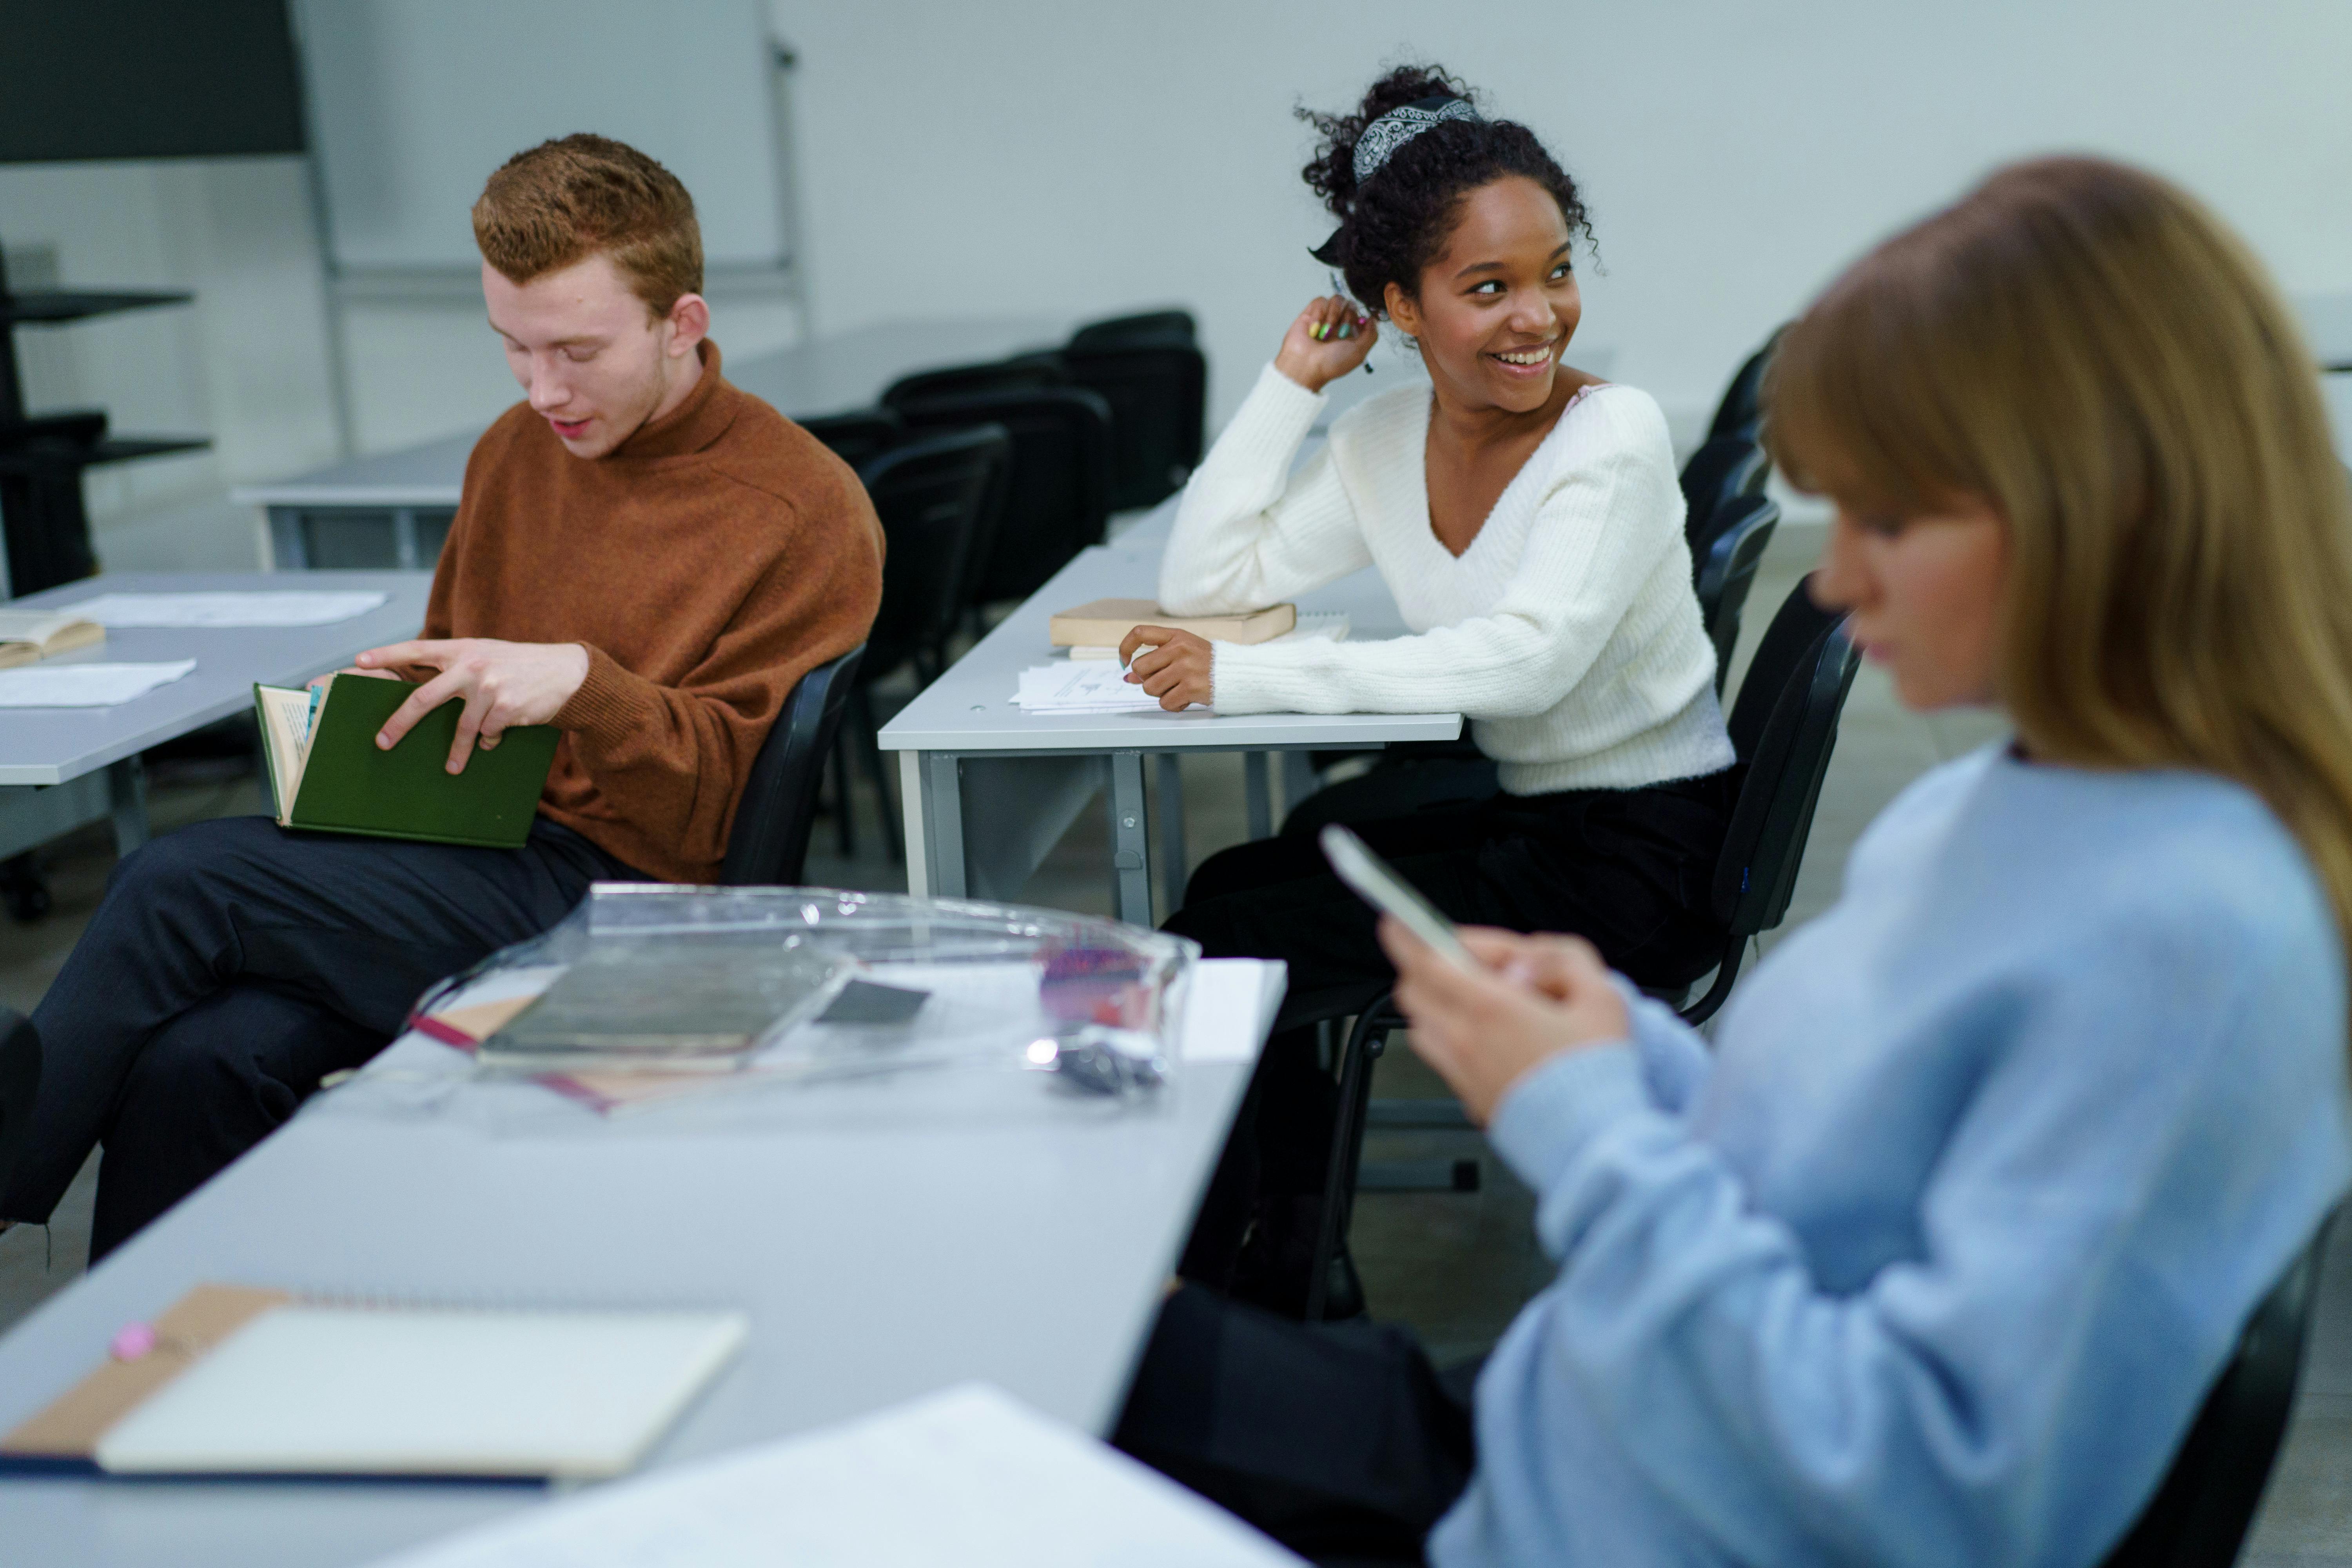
(1455, 1265)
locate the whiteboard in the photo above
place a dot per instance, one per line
(414, 103)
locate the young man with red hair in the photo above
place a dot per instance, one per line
(644, 557)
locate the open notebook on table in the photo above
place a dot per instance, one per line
(237, 1381)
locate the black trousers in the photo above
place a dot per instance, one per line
(1631, 871)
(1340, 1440)
(231, 967)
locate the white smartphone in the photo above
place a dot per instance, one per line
(1377, 883)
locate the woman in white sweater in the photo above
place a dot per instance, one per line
(1528, 519)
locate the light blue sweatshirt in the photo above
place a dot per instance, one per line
(1933, 1260)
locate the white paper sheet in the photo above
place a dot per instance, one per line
(1223, 1014)
(269, 608)
(966, 1477)
(84, 685)
(1088, 686)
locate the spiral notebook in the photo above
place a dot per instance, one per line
(233, 1380)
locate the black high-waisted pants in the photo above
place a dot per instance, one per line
(1630, 870)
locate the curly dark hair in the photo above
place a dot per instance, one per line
(1398, 222)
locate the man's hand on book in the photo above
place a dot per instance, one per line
(503, 684)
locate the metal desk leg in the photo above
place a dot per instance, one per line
(1260, 797)
(1131, 840)
(1297, 778)
(126, 791)
(911, 804)
(942, 796)
(1171, 827)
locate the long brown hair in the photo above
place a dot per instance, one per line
(2084, 347)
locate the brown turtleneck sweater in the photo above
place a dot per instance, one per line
(706, 564)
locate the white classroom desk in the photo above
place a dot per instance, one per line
(884, 1240)
(989, 790)
(824, 375)
(61, 767)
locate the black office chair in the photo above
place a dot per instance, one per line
(1158, 393)
(20, 1078)
(1725, 565)
(1150, 328)
(931, 494)
(860, 435)
(1041, 369)
(2201, 1510)
(1741, 411)
(1057, 490)
(1726, 470)
(1783, 727)
(768, 845)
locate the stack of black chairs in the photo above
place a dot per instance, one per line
(1726, 519)
(989, 479)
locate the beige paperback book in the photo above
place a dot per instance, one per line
(1105, 623)
(28, 635)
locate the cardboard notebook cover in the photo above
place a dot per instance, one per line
(67, 1432)
(1105, 623)
(231, 1381)
(350, 786)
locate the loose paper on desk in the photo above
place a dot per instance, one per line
(968, 1476)
(1085, 687)
(269, 608)
(84, 685)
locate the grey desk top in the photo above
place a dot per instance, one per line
(969, 708)
(823, 375)
(887, 1237)
(51, 746)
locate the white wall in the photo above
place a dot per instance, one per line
(1039, 155)
(1047, 157)
(246, 364)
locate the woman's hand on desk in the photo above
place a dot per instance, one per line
(503, 684)
(1175, 666)
(1329, 339)
(1535, 997)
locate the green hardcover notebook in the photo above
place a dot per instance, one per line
(326, 773)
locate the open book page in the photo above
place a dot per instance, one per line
(968, 1476)
(286, 723)
(29, 635)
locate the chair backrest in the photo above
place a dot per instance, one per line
(996, 376)
(1056, 495)
(2201, 1512)
(1725, 565)
(1125, 331)
(1157, 394)
(768, 842)
(1741, 411)
(931, 495)
(20, 1079)
(859, 436)
(1784, 726)
(1726, 470)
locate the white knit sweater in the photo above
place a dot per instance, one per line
(1568, 631)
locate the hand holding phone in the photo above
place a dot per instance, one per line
(1377, 884)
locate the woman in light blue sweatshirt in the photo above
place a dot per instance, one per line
(1934, 1257)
